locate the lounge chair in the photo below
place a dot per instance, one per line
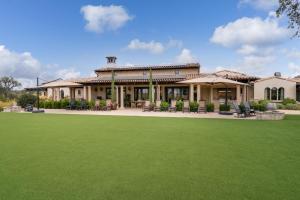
(71, 106)
(186, 106)
(172, 108)
(202, 107)
(157, 106)
(146, 106)
(237, 110)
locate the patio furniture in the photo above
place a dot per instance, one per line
(157, 106)
(28, 108)
(71, 106)
(186, 106)
(202, 107)
(108, 106)
(238, 110)
(146, 106)
(97, 105)
(83, 105)
(172, 107)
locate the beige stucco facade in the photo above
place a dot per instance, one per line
(260, 88)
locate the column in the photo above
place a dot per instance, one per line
(153, 93)
(89, 93)
(163, 93)
(117, 96)
(122, 96)
(244, 93)
(158, 93)
(211, 94)
(238, 94)
(191, 92)
(198, 93)
(84, 92)
(132, 93)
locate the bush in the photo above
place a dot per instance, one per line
(280, 106)
(224, 107)
(57, 105)
(1, 109)
(25, 99)
(288, 101)
(65, 103)
(48, 104)
(42, 104)
(291, 106)
(210, 107)
(194, 106)
(91, 104)
(179, 105)
(102, 104)
(164, 106)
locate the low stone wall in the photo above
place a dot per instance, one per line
(270, 115)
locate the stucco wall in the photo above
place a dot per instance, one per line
(289, 87)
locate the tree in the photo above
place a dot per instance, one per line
(150, 86)
(291, 8)
(26, 99)
(7, 84)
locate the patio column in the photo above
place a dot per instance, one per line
(211, 94)
(238, 94)
(122, 97)
(153, 93)
(163, 93)
(132, 93)
(244, 93)
(191, 92)
(84, 93)
(198, 93)
(117, 96)
(89, 93)
(158, 93)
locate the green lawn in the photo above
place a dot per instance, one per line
(93, 157)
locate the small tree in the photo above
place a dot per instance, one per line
(26, 99)
(7, 84)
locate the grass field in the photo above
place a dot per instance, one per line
(92, 157)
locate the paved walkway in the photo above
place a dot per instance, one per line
(291, 112)
(138, 112)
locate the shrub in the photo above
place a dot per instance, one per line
(179, 105)
(48, 104)
(42, 104)
(57, 104)
(291, 106)
(102, 104)
(288, 101)
(194, 106)
(91, 104)
(224, 107)
(210, 107)
(25, 99)
(64, 103)
(1, 109)
(280, 106)
(164, 106)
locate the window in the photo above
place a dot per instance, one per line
(108, 93)
(274, 93)
(141, 93)
(62, 94)
(221, 94)
(281, 93)
(267, 93)
(177, 72)
(177, 93)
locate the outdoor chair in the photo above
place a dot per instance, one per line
(71, 106)
(237, 110)
(146, 106)
(186, 106)
(157, 106)
(97, 105)
(202, 107)
(29, 108)
(172, 107)
(108, 106)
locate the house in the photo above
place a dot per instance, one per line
(132, 84)
(276, 88)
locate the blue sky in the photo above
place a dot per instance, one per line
(55, 38)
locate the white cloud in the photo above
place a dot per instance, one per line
(100, 18)
(294, 53)
(256, 62)
(260, 4)
(152, 46)
(185, 57)
(174, 44)
(19, 65)
(250, 31)
(294, 68)
(67, 73)
(25, 68)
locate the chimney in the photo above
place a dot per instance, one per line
(111, 60)
(277, 74)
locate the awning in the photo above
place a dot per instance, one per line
(61, 83)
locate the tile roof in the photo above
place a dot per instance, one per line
(147, 67)
(235, 75)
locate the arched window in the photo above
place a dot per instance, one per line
(281, 93)
(267, 93)
(62, 94)
(274, 93)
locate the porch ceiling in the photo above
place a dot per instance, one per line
(211, 80)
